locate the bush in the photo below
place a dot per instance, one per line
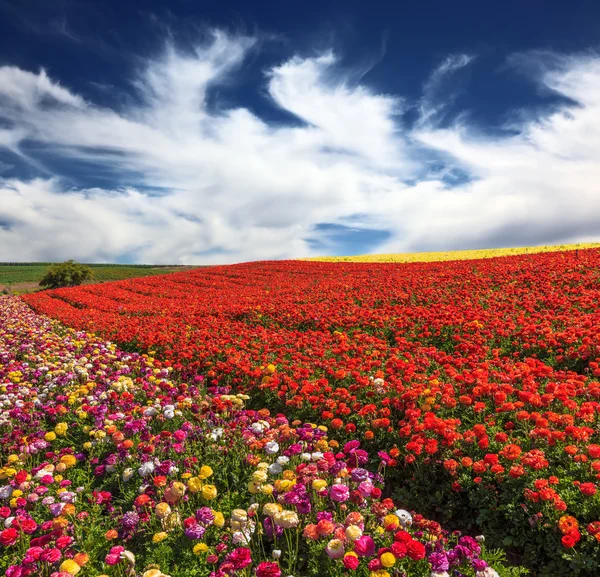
(65, 274)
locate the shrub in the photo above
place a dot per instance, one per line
(69, 273)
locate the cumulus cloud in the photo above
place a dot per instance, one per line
(223, 184)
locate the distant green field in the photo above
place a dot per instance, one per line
(16, 275)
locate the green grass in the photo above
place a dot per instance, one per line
(14, 274)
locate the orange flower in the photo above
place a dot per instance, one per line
(325, 527)
(511, 452)
(81, 559)
(567, 524)
(111, 534)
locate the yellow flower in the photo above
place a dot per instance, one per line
(178, 489)
(162, 510)
(270, 368)
(387, 560)
(68, 460)
(271, 509)
(158, 537)
(283, 486)
(195, 484)
(209, 492)
(259, 476)
(13, 458)
(69, 566)
(353, 532)
(289, 475)
(254, 487)
(61, 429)
(17, 493)
(267, 489)
(391, 520)
(286, 519)
(205, 472)
(219, 519)
(50, 436)
(319, 484)
(200, 548)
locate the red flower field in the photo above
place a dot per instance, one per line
(478, 381)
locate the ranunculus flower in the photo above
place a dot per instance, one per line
(268, 569)
(364, 546)
(335, 549)
(339, 493)
(415, 550)
(9, 537)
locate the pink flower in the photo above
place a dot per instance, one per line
(364, 546)
(240, 557)
(339, 493)
(114, 555)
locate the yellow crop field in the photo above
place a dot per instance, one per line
(455, 254)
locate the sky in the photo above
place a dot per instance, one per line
(204, 132)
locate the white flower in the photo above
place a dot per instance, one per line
(8, 521)
(275, 468)
(150, 412)
(127, 474)
(169, 414)
(305, 456)
(272, 447)
(128, 556)
(259, 427)
(242, 537)
(317, 456)
(216, 434)
(146, 469)
(405, 517)
(487, 572)
(5, 492)
(283, 460)
(440, 574)
(276, 553)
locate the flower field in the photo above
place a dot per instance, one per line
(114, 467)
(473, 385)
(456, 254)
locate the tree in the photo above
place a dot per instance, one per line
(68, 273)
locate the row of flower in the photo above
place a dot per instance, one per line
(115, 467)
(478, 378)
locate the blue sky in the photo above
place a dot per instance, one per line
(201, 132)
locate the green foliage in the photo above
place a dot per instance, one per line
(19, 274)
(69, 273)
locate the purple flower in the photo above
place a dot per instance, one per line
(205, 516)
(439, 562)
(130, 520)
(359, 475)
(195, 531)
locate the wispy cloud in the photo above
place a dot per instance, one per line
(439, 90)
(228, 185)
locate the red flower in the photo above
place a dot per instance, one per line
(415, 550)
(9, 537)
(571, 539)
(588, 489)
(240, 558)
(268, 569)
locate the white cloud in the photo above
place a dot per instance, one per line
(237, 187)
